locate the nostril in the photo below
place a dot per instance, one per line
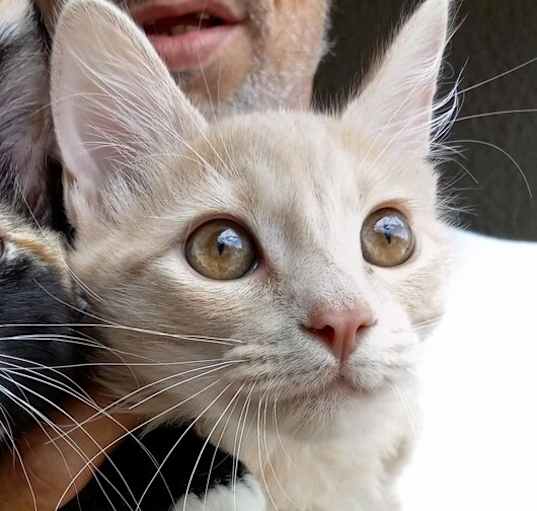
(327, 334)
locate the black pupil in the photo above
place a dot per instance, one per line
(228, 239)
(390, 227)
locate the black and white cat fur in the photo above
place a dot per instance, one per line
(37, 307)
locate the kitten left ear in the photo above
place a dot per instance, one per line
(114, 104)
(399, 97)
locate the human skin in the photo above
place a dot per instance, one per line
(48, 473)
(269, 62)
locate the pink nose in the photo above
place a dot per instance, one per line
(338, 329)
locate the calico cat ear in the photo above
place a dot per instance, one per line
(114, 104)
(397, 101)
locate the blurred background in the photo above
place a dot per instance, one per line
(497, 145)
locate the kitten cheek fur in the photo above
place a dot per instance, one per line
(144, 166)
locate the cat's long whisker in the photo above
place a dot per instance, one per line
(137, 428)
(464, 168)
(16, 452)
(22, 371)
(277, 428)
(207, 440)
(36, 414)
(506, 154)
(269, 456)
(110, 324)
(496, 113)
(498, 76)
(6, 429)
(194, 338)
(63, 339)
(237, 442)
(176, 444)
(217, 447)
(78, 281)
(128, 396)
(260, 462)
(213, 368)
(123, 364)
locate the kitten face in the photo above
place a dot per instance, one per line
(301, 187)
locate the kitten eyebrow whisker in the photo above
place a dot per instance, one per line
(496, 113)
(506, 154)
(498, 76)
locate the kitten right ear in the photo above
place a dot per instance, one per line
(114, 104)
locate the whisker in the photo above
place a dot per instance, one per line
(498, 76)
(235, 471)
(207, 440)
(141, 426)
(260, 451)
(213, 368)
(216, 450)
(36, 413)
(176, 444)
(497, 113)
(507, 155)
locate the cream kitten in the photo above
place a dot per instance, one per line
(278, 269)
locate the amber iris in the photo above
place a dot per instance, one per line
(221, 250)
(387, 239)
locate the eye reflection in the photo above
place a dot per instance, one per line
(387, 239)
(221, 250)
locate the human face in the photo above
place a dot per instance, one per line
(231, 55)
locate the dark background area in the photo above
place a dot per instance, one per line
(494, 37)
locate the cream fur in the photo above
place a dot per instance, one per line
(144, 167)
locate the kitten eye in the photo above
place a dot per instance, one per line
(2, 248)
(221, 250)
(387, 239)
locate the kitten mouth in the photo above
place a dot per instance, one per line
(187, 35)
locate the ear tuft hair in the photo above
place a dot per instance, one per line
(399, 97)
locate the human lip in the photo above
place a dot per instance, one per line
(187, 33)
